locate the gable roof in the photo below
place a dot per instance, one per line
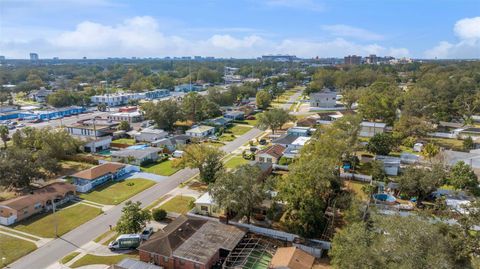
(200, 129)
(286, 139)
(275, 151)
(291, 257)
(99, 170)
(136, 153)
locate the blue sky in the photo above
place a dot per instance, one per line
(239, 28)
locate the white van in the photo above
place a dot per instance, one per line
(125, 241)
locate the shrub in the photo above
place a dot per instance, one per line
(159, 214)
(130, 184)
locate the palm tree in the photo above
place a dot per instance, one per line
(430, 150)
(4, 134)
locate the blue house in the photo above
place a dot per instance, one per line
(299, 131)
(88, 179)
(156, 94)
(235, 115)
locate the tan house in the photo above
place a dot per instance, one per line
(40, 200)
(271, 154)
(291, 258)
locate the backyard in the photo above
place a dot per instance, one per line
(126, 141)
(356, 187)
(12, 248)
(178, 204)
(114, 193)
(164, 168)
(67, 218)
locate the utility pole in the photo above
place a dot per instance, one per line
(55, 218)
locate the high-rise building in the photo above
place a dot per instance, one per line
(33, 56)
(371, 59)
(353, 59)
(2, 58)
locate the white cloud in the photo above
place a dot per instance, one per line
(468, 46)
(343, 30)
(143, 37)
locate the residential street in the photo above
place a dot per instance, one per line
(56, 249)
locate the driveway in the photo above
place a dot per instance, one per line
(150, 176)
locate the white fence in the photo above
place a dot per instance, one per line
(359, 177)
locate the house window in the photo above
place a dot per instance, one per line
(25, 212)
(269, 160)
(204, 208)
(196, 266)
(165, 259)
(182, 262)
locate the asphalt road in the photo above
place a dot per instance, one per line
(58, 248)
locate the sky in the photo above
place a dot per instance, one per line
(240, 28)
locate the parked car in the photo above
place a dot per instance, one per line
(21, 125)
(177, 154)
(146, 233)
(262, 142)
(125, 241)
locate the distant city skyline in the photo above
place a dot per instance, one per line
(239, 29)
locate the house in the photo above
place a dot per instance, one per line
(300, 131)
(204, 205)
(92, 128)
(201, 131)
(188, 88)
(90, 178)
(97, 145)
(120, 99)
(270, 155)
(291, 258)
(235, 115)
(369, 129)
(307, 122)
(130, 117)
(391, 165)
(128, 263)
(472, 158)
(285, 140)
(299, 142)
(40, 95)
(219, 122)
(182, 139)
(128, 109)
(168, 144)
(37, 201)
(192, 243)
(326, 98)
(150, 135)
(136, 156)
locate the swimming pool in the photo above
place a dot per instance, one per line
(138, 146)
(384, 197)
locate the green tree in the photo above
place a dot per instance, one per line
(380, 144)
(124, 125)
(159, 214)
(468, 143)
(463, 177)
(263, 99)
(380, 101)
(394, 242)
(239, 191)
(207, 159)
(4, 135)
(19, 167)
(102, 107)
(420, 182)
(133, 218)
(163, 113)
(273, 119)
(196, 108)
(413, 126)
(430, 150)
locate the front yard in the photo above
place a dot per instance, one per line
(235, 161)
(164, 168)
(90, 259)
(238, 129)
(178, 204)
(116, 192)
(69, 218)
(12, 248)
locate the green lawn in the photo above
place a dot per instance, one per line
(235, 161)
(226, 137)
(178, 204)
(69, 257)
(356, 187)
(116, 192)
(164, 168)
(12, 248)
(238, 129)
(90, 259)
(127, 141)
(68, 219)
(448, 143)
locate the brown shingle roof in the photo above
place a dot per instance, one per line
(98, 171)
(43, 194)
(275, 151)
(293, 258)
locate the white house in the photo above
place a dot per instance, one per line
(129, 117)
(326, 98)
(136, 156)
(97, 145)
(391, 165)
(369, 129)
(204, 205)
(150, 135)
(201, 131)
